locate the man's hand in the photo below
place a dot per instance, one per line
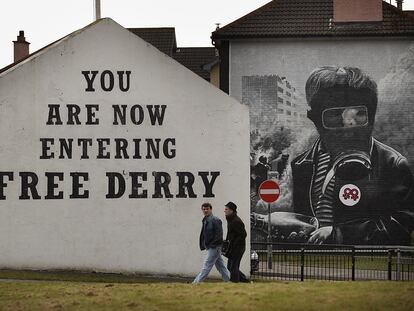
(320, 235)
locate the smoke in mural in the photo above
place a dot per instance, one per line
(339, 184)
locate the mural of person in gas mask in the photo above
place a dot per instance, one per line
(360, 190)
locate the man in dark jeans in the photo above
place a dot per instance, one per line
(211, 239)
(236, 237)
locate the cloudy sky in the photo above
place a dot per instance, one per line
(45, 21)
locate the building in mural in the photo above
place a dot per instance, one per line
(108, 149)
(273, 101)
(377, 40)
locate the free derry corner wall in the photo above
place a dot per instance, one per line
(108, 148)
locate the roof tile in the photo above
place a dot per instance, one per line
(162, 38)
(310, 18)
(191, 57)
(195, 58)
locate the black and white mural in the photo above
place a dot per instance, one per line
(341, 148)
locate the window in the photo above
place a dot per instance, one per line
(288, 103)
(280, 100)
(288, 112)
(279, 89)
(288, 94)
(279, 110)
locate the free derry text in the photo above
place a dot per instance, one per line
(134, 184)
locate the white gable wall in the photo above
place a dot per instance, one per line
(153, 235)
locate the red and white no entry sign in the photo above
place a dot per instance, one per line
(269, 191)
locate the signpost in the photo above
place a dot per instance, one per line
(269, 192)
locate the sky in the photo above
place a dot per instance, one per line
(45, 21)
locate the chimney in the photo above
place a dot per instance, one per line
(21, 47)
(351, 11)
(399, 4)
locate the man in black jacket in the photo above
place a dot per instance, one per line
(211, 239)
(236, 237)
(260, 170)
(360, 190)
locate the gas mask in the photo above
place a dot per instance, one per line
(344, 119)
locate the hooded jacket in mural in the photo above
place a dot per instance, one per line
(385, 212)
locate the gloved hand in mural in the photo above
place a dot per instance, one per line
(360, 190)
(319, 236)
(286, 227)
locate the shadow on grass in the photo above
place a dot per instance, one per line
(79, 276)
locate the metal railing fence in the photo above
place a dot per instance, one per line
(331, 262)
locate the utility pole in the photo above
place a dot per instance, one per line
(96, 9)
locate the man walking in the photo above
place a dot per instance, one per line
(211, 239)
(236, 236)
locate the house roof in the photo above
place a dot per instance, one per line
(312, 18)
(162, 38)
(195, 58)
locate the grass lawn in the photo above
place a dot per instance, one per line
(309, 295)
